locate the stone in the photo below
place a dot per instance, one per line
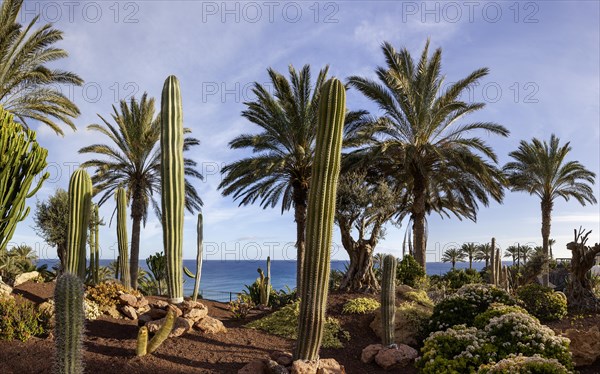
(210, 325)
(196, 314)
(282, 358)
(188, 305)
(129, 312)
(253, 367)
(156, 313)
(584, 346)
(272, 367)
(406, 330)
(180, 327)
(143, 319)
(142, 302)
(323, 366)
(368, 354)
(25, 277)
(178, 312)
(161, 304)
(304, 367)
(5, 290)
(392, 358)
(113, 312)
(128, 299)
(142, 310)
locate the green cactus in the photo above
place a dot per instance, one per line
(200, 234)
(21, 160)
(320, 219)
(94, 245)
(80, 201)
(388, 300)
(163, 333)
(68, 300)
(172, 182)
(264, 284)
(141, 347)
(121, 198)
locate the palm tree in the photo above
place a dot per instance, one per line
(540, 168)
(514, 252)
(470, 251)
(453, 255)
(419, 143)
(28, 88)
(527, 252)
(24, 257)
(484, 253)
(551, 242)
(280, 166)
(133, 161)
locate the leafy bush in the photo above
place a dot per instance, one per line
(419, 297)
(21, 321)
(519, 333)
(523, 364)
(282, 297)
(253, 291)
(361, 305)
(462, 307)
(284, 322)
(335, 279)
(409, 272)
(241, 306)
(496, 310)
(455, 279)
(543, 302)
(106, 294)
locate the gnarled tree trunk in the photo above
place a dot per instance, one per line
(360, 276)
(579, 289)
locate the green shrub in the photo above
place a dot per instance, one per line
(419, 297)
(335, 279)
(284, 323)
(22, 321)
(455, 279)
(495, 310)
(241, 306)
(519, 333)
(523, 364)
(361, 305)
(462, 307)
(409, 272)
(282, 297)
(543, 302)
(106, 294)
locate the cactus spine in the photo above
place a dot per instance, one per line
(94, 245)
(163, 333)
(123, 260)
(142, 342)
(172, 181)
(320, 215)
(80, 201)
(68, 299)
(21, 160)
(388, 300)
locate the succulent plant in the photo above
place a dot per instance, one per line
(80, 202)
(68, 301)
(388, 300)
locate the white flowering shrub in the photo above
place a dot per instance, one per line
(523, 364)
(518, 333)
(91, 310)
(496, 310)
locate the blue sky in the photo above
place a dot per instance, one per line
(543, 57)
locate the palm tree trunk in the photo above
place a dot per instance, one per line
(546, 205)
(300, 203)
(136, 215)
(453, 264)
(418, 217)
(470, 262)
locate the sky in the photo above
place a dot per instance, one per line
(544, 62)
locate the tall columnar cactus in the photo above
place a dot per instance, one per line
(68, 300)
(320, 216)
(264, 284)
(492, 267)
(388, 300)
(21, 160)
(172, 182)
(94, 245)
(121, 198)
(198, 274)
(80, 202)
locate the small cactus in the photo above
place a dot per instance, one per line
(68, 299)
(142, 342)
(163, 333)
(388, 300)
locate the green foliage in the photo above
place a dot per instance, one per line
(360, 305)
(17, 260)
(463, 306)
(524, 364)
(241, 306)
(51, 221)
(455, 279)
(157, 263)
(69, 315)
(21, 320)
(21, 160)
(543, 302)
(253, 292)
(282, 297)
(495, 310)
(335, 279)
(419, 297)
(409, 272)
(417, 316)
(284, 323)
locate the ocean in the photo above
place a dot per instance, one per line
(222, 280)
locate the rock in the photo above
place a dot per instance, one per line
(5, 290)
(180, 327)
(128, 299)
(161, 304)
(304, 367)
(253, 367)
(143, 309)
(142, 302)
(323, 366)
(391, 358)
(178, 312)
(25, 277)
(143, 319)
(188, 305)
(47, 307)
(210, 325)
(197, 313)
(282, 358)
(113, 312)
(585, 345)
(156, 313)
(406, 331)
(368, 354)
(129, 311)
(275, 368)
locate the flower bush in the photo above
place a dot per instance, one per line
(91, 310)
(462, 307)
(523, 364)
(543, 302)
(361, 305)
(519, 333)
(495, 310)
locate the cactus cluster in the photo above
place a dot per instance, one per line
(172, 183)
(80, 202)
(144, 347)
(123, 258)
(21, 160)
(68, 300)
(499, 275)
(94, 245)
(264, 284)
(320, 219)
(388, 300)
